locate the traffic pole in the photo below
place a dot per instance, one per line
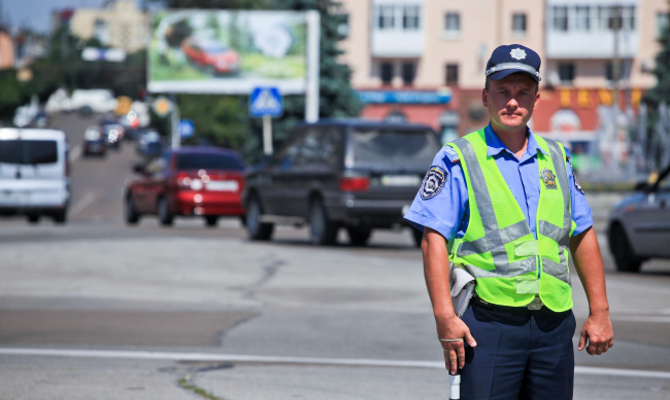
(267, 135)
(175, 141)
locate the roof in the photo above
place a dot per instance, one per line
(205, 150)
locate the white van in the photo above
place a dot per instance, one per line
(34, 173)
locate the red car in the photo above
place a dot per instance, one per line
(211, 55)
(200, 181)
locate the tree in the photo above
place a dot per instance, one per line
(661, 92)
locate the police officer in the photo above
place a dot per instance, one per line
(504, 204)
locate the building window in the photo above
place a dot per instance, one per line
(410, 18)
(614, 21)
(386, 18)
(566, 73)
(408, 73)
(343, 25)
(628, 18)
(452, 23)
(602, 18)
(519, 24)
(451, 76)
(609, 71)
(661, 23)
(559, 18)
(387, 73)
(582, 18)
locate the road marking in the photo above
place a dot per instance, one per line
(75, 153)
(177, 356)
(84, 202)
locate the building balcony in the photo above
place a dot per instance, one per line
(396, 43)
(577, 45)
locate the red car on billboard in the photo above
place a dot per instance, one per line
(211, 55)
(190, 181)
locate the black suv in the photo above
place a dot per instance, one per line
(354, 174)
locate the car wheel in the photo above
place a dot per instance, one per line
(131, 215)
(256, 229)
(417, 235)
(60, 216)
(624, 256)
(211, 220)
(33, 218)
(358, 236)
(165, 216)
(322, 231)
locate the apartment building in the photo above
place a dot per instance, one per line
(119, 24)
(424, 60)
(6, 50)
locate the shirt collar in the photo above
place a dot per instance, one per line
(495, 146)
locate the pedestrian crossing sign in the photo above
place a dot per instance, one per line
(265, 101)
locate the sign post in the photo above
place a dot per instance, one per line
(266, 102)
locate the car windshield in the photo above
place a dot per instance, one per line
(394, 149)
(208, 161)
(92, 134)
(214, 48)
(28, 152)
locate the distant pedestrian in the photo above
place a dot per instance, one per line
(503, 204)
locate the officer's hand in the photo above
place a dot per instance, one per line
(454, 352)
(597, 331)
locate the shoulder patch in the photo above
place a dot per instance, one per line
(433, 182)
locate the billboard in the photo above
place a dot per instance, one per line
(228, 52)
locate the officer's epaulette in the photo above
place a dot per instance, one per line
(452, 155)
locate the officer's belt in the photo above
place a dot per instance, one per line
(535, 305)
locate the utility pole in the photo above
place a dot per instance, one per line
(616, 70)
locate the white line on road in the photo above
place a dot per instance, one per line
(75, 153)
(176, 356)
(84, 202)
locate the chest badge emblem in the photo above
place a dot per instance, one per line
(548, 178)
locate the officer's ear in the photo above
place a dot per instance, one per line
(485, 97)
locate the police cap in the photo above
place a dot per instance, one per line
(508, 59)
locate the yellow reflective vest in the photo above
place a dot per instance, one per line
(498, 248)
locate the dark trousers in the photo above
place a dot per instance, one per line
(520, 354)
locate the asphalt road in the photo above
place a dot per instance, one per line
(98, 310)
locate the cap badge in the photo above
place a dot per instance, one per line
(548, 178)
(518, 53)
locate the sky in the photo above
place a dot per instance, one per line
(36, 14)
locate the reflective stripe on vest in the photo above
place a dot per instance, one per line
(498, 247)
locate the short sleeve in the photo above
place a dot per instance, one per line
(441, 201)
(581, 212)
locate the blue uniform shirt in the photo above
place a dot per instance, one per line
(447, 212)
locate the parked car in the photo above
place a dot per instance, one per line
(360, 175)
(211, 55)
(95, 142)
(639, 226)
(148, 143)
(190, 181)
(34, 173)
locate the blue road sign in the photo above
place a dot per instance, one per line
(265, 101)
(186, 128)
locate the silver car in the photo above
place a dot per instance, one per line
(639, 226)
